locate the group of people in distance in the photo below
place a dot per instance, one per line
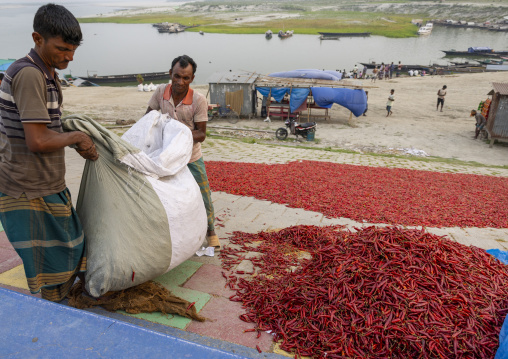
(36, 210)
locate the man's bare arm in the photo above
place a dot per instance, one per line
(199, 133)
(41, 139)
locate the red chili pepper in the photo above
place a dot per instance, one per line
(259, 349)
(406, 291)
(190, 305)
(133, 273)
(372, 194)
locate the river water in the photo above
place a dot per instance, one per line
(110, 49)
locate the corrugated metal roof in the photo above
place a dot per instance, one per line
(501, 87)
(237, 77)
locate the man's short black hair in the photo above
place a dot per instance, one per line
(444, 86)
(1, 76)
(184, 61)
(53, 20)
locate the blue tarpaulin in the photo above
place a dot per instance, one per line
(296, 98)
(502, 351)
(308, 74)
(354, 100)
(4, 64)
(277, 92)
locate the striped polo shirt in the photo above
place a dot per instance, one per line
(29, 94)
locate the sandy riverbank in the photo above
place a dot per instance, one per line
(415, 123)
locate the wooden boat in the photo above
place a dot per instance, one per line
(268, 34)
(371, 65)
(286, 34)
(475, 51)
(150, 76)
(342, 34)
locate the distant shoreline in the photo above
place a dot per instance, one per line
(391, 20)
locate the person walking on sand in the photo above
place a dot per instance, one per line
(389, 104)
(36, 209)
(355, 72)
(441, 93)
(190, 108)
(392, 67)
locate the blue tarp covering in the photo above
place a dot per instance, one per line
(5, 65)
(479, 49)
(502, 351)
(297, 95)
(308, 74)
(277, 92)
(354, 100)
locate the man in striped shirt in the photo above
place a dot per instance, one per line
(35, 205)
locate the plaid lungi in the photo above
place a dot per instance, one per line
(47, 235)
(198, 170)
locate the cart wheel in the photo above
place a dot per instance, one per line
(232, 117)
(281, 133)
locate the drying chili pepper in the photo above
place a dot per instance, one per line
(373, 194)
(133, 273)
(375, 292)
(259, 349)
(190, 306)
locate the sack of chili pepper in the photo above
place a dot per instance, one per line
(371, 293)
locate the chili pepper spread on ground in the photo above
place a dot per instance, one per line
(374, 293)
(372, 194)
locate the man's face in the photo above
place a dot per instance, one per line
(54, 51)
(181, 78)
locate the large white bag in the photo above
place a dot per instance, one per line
(142, 211)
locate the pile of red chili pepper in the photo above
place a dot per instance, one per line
(370, 293)
(371, 194)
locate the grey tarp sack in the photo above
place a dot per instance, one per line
(128, 205)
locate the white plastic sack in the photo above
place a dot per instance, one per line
(142, 213)
(140, 87)
(166, 146)
(146, 88)
(152, 87)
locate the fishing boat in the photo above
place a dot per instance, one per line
(268, 34)
(285, 34)
(474, 51)
(371, 65)
(335, 35)
(426, 29)
(491, 62)
(150, 76)
(201, 33)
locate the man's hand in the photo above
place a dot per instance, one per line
(86, 149)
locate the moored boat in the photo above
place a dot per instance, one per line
(284, 34)
(475, 51)
(325, 35)
(426, 29)
(150, 76)
(268, 34)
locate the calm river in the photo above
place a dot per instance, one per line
(110, 49)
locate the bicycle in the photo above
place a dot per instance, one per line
(216, 111)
